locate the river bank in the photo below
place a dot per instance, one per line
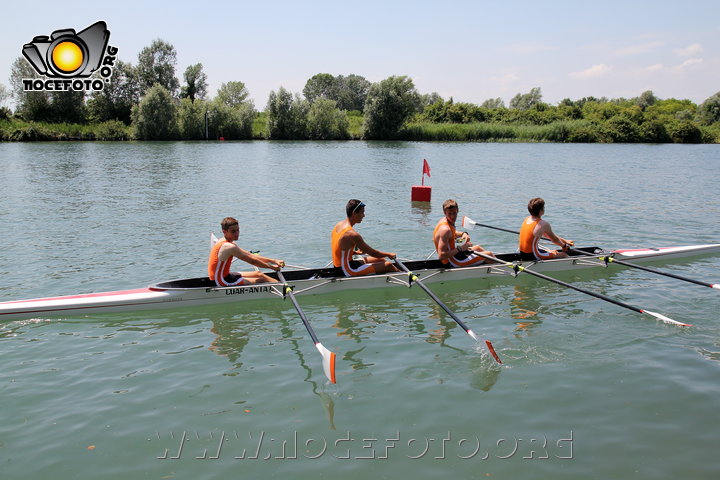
(565, 131)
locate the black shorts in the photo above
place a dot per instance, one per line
(528, 257)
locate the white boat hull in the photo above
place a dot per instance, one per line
(182, 293)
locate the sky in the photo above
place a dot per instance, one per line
(468, 50)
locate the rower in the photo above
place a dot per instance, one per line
(533, 229)
(446, 238)
(225, 250)
(346, 242)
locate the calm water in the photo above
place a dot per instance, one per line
(588, 390)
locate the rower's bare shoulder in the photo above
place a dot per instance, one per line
(443, 230)
(230, 249)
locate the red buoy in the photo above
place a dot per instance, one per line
(422, 193)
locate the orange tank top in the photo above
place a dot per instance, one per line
(337, 253)
(215, 268)
(528, 240)
(453, 234)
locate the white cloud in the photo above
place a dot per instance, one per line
(689, 51)
(638, 49)
(592, 72)
(654, 68)
(690, 62)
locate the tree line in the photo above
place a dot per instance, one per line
(146, 101)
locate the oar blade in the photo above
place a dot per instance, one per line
(666, 319)
(467, 221)
(328, 361)
(488, 344)
(491, 349)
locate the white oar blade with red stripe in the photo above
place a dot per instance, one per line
(666, 319)
(328, 361)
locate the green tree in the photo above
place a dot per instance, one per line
(191, 119)
(195, 83)
(233, 93)
(709, 111)
(388, 105)
(646, 99)
(4, 95)
(59, 106)
(67, 107)
(493, 103)
(286, 116)
(322, 85)
(682, 131)
(28, 105)
(156, 65)
(351, 92)
(326, 122)
(427, 99)
(621, 129)
(525, 101)
(599, 110)
(115, 101)
(654, 131)
(669, 107)
(230, 122)
(348, 92)
(155, 118)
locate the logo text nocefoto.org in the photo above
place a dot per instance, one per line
(67, 59)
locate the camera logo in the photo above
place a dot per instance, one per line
(69, 57)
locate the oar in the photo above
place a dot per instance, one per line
(611, 259)
(328, 357)
(469, 221)
(519, 268)
(414, 278)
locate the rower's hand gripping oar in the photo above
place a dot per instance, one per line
(519, 268)
(328, 357)
(413, 278)
(606, 258)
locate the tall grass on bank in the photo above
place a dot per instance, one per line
(493, 132)
(16, 130)
(564, 131)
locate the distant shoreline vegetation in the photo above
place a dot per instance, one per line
(619, 130)
(147, 102)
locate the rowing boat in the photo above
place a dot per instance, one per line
(202, 291)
